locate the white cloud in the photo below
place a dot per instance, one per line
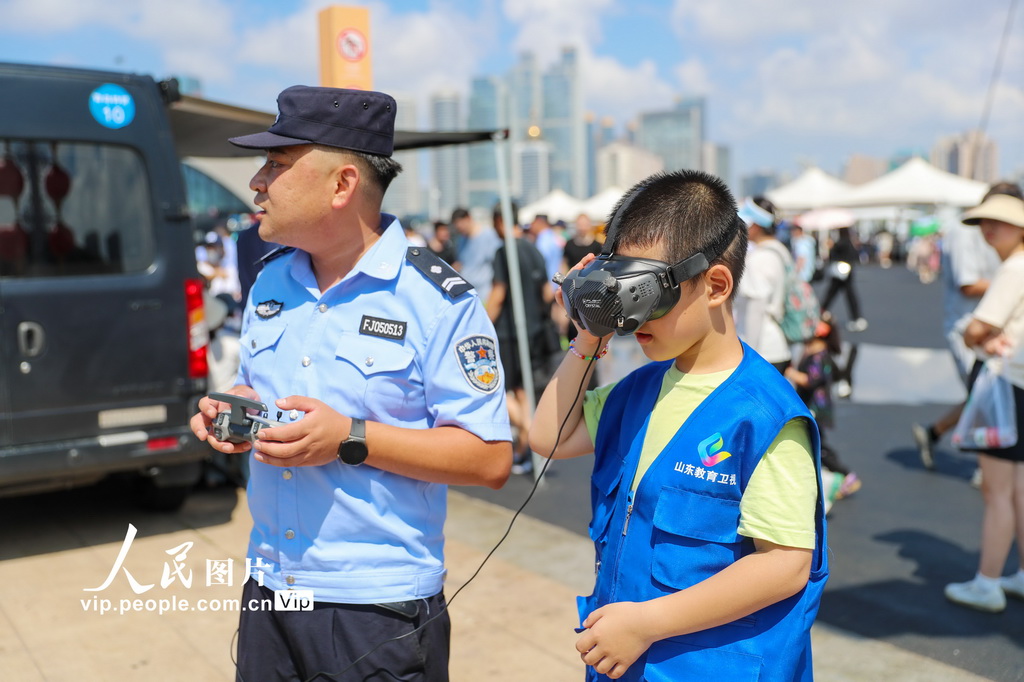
(544, 26)
(694, 77)
(898, 72)
(612, 89)
(193, 35)
(46, 16)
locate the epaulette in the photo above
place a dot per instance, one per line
(279, 251)
(437, 271)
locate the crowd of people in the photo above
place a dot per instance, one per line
(379, 346)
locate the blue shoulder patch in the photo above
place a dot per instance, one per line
(437, 271)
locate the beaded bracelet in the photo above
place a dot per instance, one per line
(581, 356)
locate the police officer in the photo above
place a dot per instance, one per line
(382, 364)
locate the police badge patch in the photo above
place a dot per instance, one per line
(478, 359)
(268, 309)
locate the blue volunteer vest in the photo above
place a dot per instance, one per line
(680, 525)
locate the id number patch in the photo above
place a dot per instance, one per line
(478, 360)
(386, 329)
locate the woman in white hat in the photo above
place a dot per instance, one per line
(997, 330)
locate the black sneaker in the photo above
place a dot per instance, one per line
(924, 445)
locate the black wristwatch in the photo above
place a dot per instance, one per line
(353, 449)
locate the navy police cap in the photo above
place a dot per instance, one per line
(360, 120)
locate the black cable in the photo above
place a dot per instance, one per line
(990, 95)
(508, 530)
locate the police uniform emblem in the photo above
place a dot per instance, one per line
(268, 309)
(478, 360)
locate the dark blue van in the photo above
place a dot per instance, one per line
(102, 332)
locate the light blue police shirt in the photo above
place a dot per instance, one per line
(388, 345)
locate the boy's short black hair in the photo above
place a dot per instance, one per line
(681, 213)
(459, 214)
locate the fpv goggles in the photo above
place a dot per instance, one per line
(618, 294)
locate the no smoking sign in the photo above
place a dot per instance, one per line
(352, 45)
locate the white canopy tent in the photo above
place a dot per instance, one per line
(916, 182)
(599, 206)
(556, 205)
(813, 189)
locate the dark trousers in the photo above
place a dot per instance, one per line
(317, 645)
(846, 285)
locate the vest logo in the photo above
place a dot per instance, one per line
(710, 450)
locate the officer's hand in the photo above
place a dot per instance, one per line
(310, 441)
(202, 421)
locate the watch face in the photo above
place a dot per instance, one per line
(353, 452)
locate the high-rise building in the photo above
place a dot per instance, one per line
(717, 160)
(563, 124)
(860, 169)
(524, 97)
(676, 135)
(971, 155)
(532, 168)
(592, 138)
(404, 197)
(756, 184)
(448, 162)
(606, 133)
(488, 110)
(622, 165)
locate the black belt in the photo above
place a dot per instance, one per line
(409, 609)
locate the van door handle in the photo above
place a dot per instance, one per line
(30, 339)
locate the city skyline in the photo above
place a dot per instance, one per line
(788, 84)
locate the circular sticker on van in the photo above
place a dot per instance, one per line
(112, 106)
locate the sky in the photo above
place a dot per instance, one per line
(789, 83)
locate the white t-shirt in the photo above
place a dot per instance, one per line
(1002, 306)
(760, 301)
(966, 259)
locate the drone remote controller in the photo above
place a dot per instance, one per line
(238, 425)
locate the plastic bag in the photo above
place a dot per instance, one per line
(989, 420)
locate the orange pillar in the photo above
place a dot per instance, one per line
(345, 56)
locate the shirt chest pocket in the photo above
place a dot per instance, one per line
(259, 339)
(387, 372)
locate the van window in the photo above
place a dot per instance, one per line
(73, 208)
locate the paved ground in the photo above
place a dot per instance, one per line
(513, 622)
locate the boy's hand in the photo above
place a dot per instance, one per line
(583, 338)
(615, 637)
(579, 266)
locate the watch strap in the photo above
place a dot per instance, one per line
(358, 430)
